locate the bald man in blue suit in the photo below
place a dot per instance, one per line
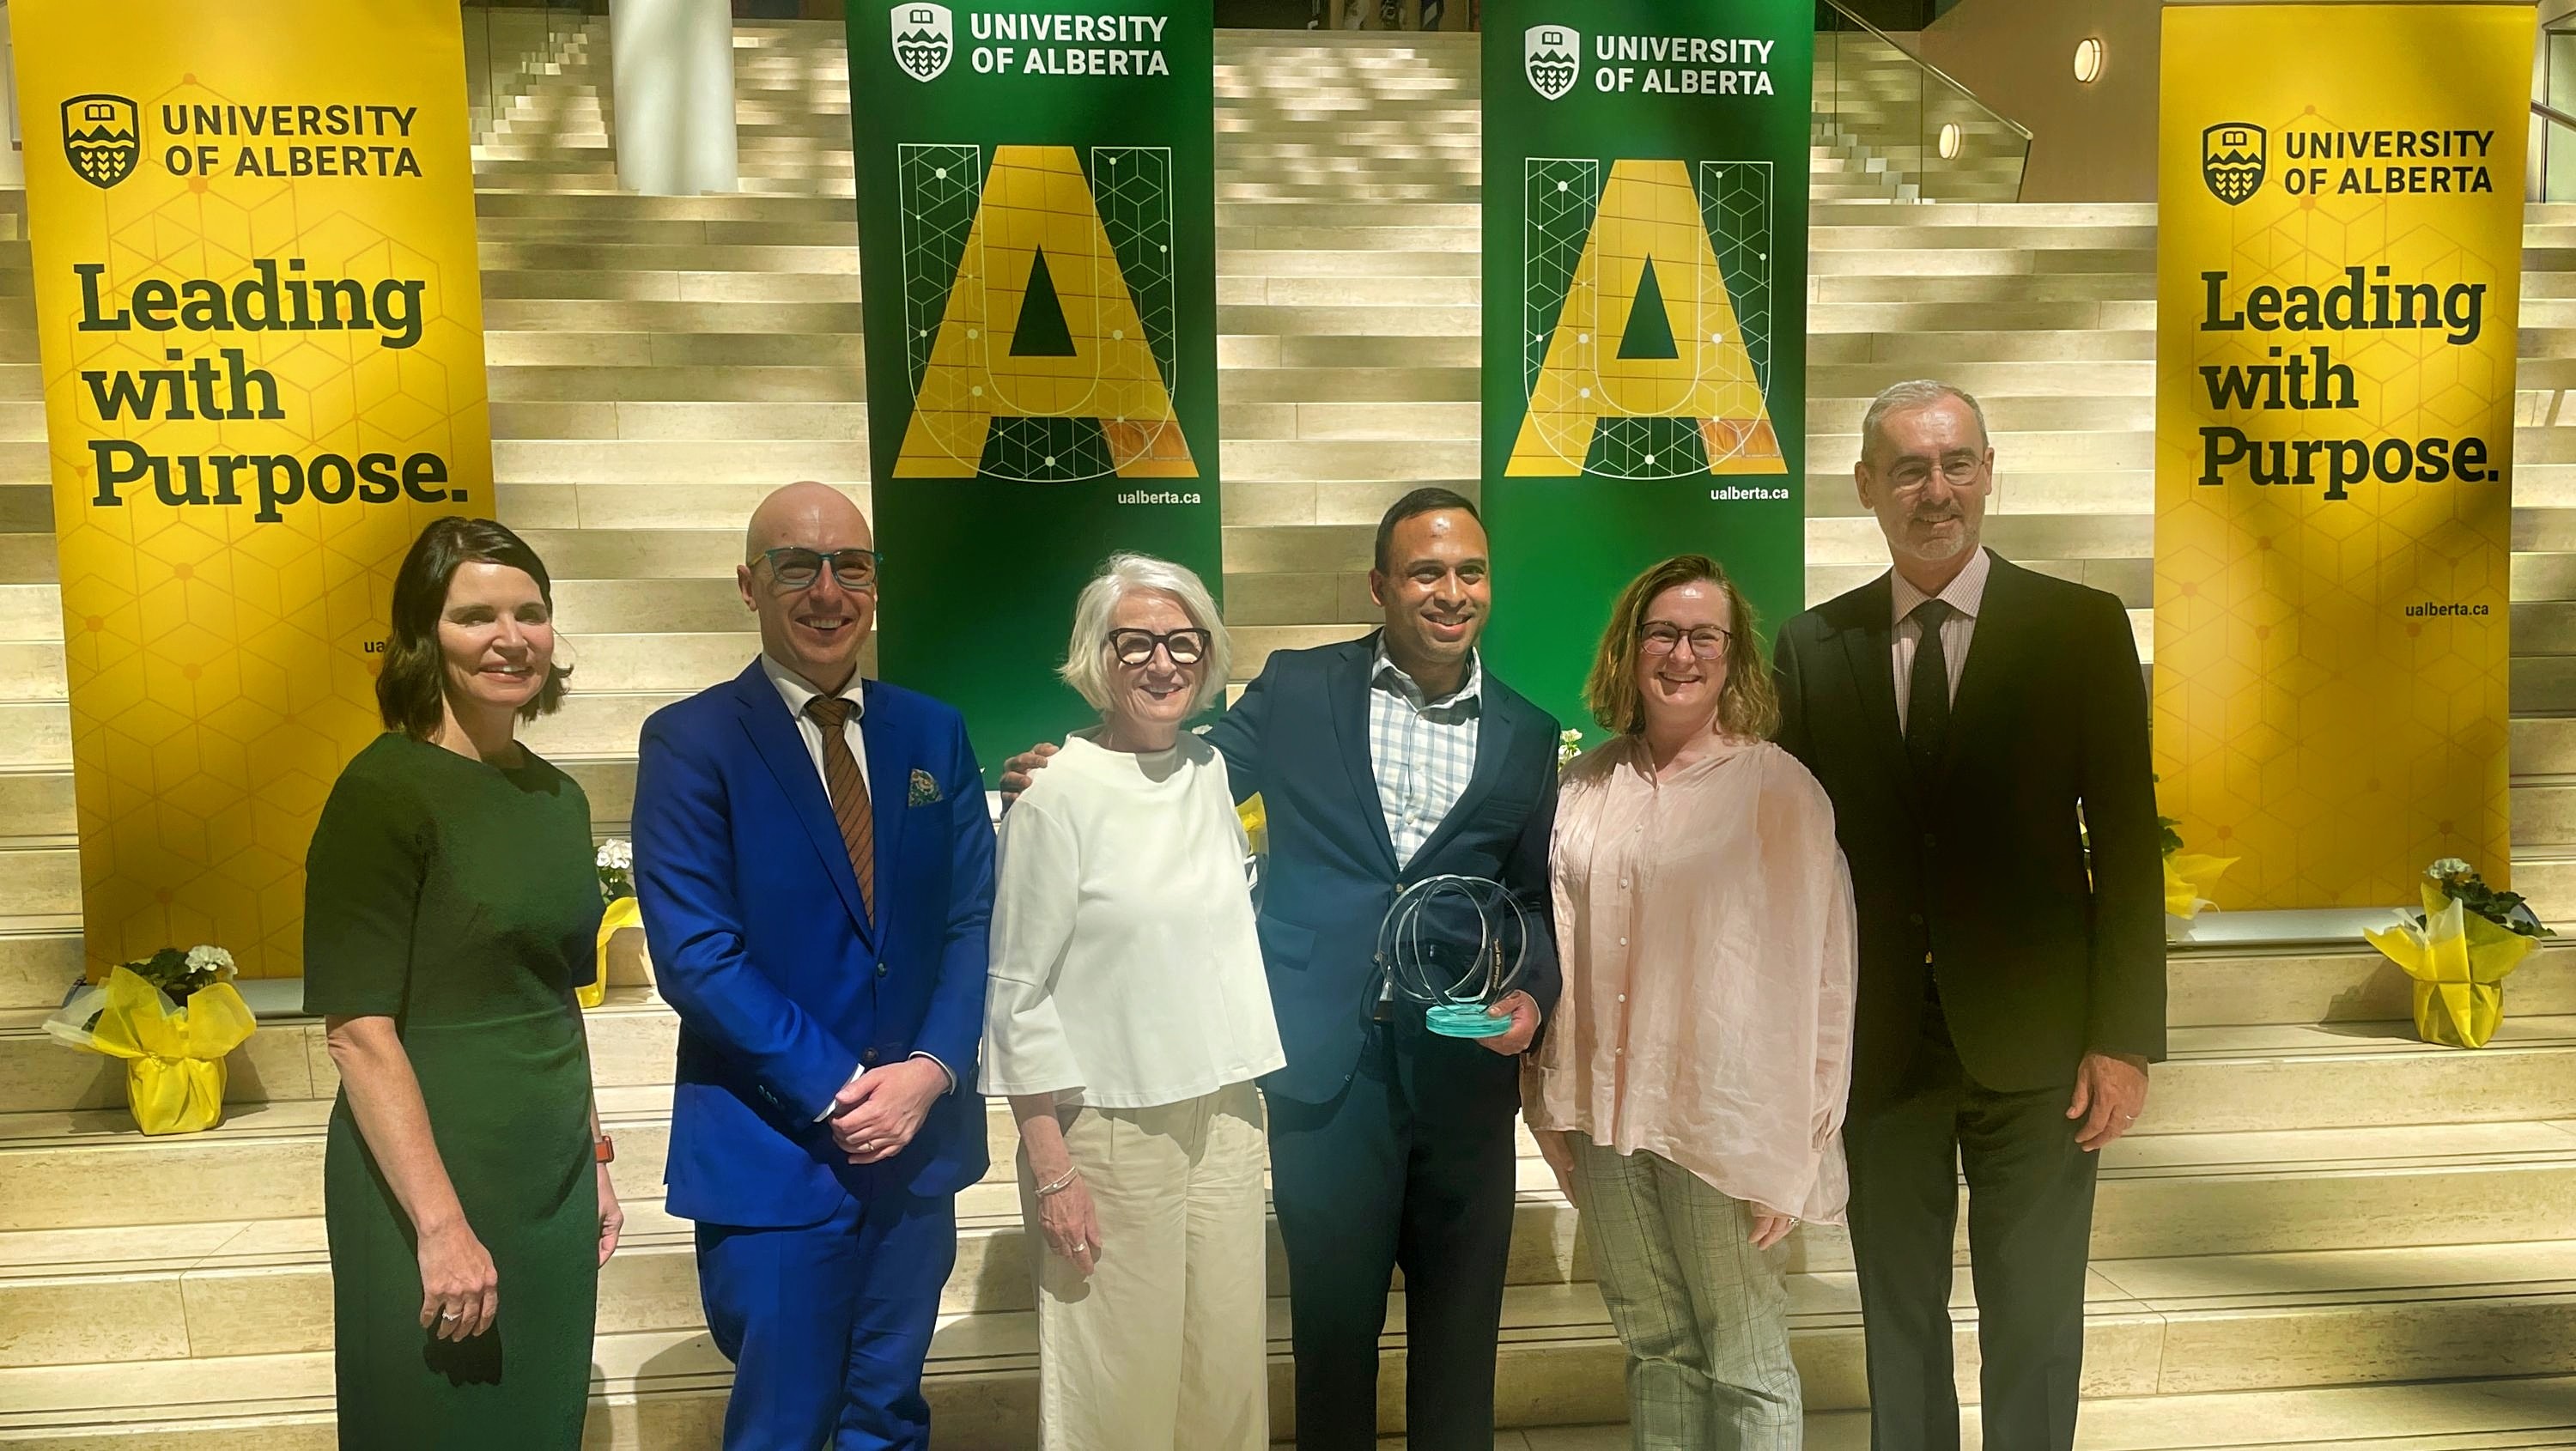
(815, 863)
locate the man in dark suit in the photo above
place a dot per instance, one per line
(1381, 762)
(815, 862)
(1975, 723)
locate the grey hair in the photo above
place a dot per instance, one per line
(1086, 655)
(1911, 394)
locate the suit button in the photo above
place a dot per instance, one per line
(881, 969)
(1914, 917)
(869, 1057)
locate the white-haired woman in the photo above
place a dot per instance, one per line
(1126, 1020)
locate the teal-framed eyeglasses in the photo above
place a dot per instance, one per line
(795, 568)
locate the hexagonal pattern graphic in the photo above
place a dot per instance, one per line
(2331, 683)
(220, 665)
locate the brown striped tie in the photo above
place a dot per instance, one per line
(849, 790)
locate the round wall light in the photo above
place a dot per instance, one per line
(2088, 59)
(1950, 138)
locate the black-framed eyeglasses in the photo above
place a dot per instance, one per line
(1135, 647)
(1707, 642)
(795, 568)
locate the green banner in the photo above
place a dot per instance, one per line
(1645, 310)
(1037, 243)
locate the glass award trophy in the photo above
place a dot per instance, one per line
(1455, 945)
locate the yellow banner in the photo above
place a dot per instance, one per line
(262, 339)
(2338, 262)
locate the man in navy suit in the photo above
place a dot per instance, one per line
(1380, 762)
(815, 863)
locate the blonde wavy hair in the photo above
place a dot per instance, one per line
(1748, 706)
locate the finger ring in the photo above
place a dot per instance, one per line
(448, 1315)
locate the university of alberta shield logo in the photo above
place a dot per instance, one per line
(924, 40)
(1553, 56)
(103, 138)
(2231, 160)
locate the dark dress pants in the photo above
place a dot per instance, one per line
(2030, 1223)
(1411, 1165)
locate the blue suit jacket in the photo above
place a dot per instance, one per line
(783, 985)
(1299, 736)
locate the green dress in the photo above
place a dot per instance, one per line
(461, 901)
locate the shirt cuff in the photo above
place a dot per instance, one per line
(942, 1067)
(855, 1074)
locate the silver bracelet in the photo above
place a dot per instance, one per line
(1046, 1191)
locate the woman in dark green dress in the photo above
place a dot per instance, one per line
(450, 910)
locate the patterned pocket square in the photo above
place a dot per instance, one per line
(925, 791)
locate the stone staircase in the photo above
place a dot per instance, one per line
(2323, 1231)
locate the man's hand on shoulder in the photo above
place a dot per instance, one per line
(1021, 769)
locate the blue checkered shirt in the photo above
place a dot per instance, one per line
(1424, 751)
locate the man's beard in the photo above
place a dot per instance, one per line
(1938, 547)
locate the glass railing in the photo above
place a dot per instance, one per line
(1890, 127)
(2553, 141)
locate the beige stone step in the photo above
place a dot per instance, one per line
(750, 257)
(1987, 346)
(1254, 384)
(1376, 262)
(1455, 320)
(674, 462)
(635, 382)
(1275, 351)
(671, 285)
(631, 315)
(682, 422)
(1992, 288)
(1558, 1362)
(1236, 294)
(616, 349)
(666, 231)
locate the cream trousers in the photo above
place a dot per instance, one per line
(1165, 1346)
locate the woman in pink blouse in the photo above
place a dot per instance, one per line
(1689, 1089)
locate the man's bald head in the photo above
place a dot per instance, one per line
(808, 515)
(815, 630)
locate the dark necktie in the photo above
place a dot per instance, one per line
(849, 792)
(1927, 696)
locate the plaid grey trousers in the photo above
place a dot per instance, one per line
(1703, 1314)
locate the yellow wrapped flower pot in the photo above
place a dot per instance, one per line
(2189, 876)
(2458, 960)
(174, 1055)
(621, 914)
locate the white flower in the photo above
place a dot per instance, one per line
(1569, 744)
(2449, 866)
(616, 855)
(204, 957)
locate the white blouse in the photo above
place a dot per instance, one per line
(1126, 972)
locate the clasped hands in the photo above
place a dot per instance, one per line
(875, 1114)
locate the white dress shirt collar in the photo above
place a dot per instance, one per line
(793, 688)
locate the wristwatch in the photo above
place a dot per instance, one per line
(603, 1150)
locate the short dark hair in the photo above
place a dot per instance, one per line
(1429, 499)
(411, 689)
